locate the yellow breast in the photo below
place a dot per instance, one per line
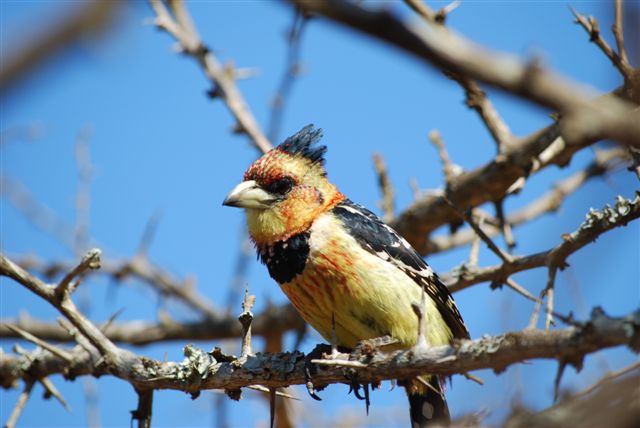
(369, 297)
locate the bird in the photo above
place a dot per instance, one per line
(349, 275)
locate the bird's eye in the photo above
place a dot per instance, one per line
(280, 186)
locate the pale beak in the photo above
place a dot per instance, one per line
(249, 195)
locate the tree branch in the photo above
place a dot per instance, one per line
(597, 223)
(215, 370)
(605, 162)
(274, 319)
(604, 117)
(183, 30)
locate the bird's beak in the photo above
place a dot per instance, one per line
(249, 195)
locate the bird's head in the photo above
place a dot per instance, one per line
(286, 189)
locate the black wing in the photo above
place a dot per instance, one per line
(379, 239)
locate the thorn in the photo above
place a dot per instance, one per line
(334, 339)
(556, 383)
(366, 397)
(272, 407)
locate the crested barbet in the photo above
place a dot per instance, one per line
(349, 275)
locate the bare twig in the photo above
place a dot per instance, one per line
(592, 28)
(474, 251)
(19, 407)
(520, 290)
(91, 260)
(246, 318)
(476, 97)
(293, 68)
(35, 211)
(388, 194)
(548, 293)
(449, 170)
(41, 343)
(597, 223)
(613, 403)
(605, 162)
(183, 30)
(505, 257)
(90, 18)
(273, 320)
(584, 116)
(441, 15)
(504, 225)
(83, 195)
(477, 100)
(422, 9)
(618, 32)
(62, 301)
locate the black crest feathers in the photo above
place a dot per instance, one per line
(303, 143)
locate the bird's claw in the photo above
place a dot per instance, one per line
(309, 384)
(354, 386)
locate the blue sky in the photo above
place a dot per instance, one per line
(158, 145)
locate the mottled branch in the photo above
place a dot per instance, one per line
(201, 370)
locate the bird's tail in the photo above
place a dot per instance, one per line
(428, 407)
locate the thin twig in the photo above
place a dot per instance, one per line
(505, 257)
(585, 116)
(474, 251)
(618, 32)
(384, 183)
(606, 379)
(422, 9)
(548, 292)
(477, 100)
(293, 69)
(504, 225)
(91, 260)
(592, 28)
(278, 393)
(183, 30)
(19, 407)
(245, 319)
(605, 162)
(596, 224)
(449, 170)
(520, 290)
(41, 343)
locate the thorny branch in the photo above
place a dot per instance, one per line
(178, 24)
(201, 370)
(605, 117)
(596, 223)
(476, 97)
(584, 121)
(605, 162)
